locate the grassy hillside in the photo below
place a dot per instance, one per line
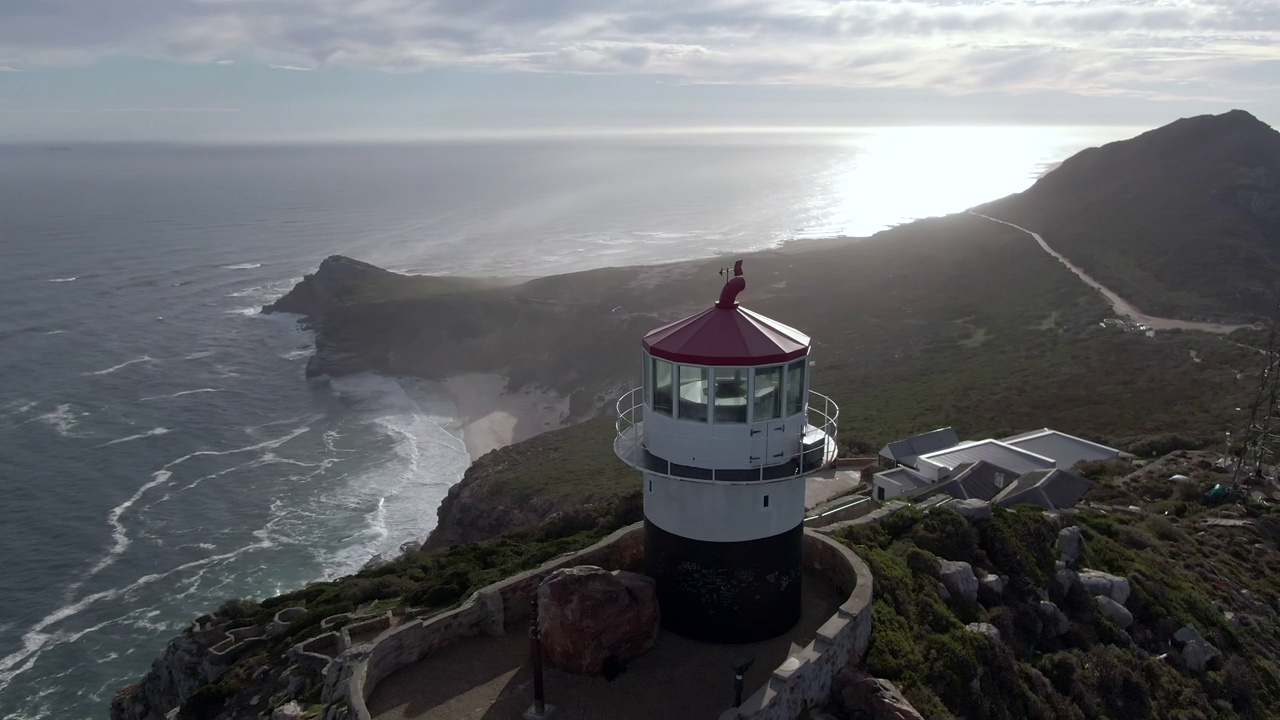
(1183, 220)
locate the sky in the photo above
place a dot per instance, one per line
(228, 70)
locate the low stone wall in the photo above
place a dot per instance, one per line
(805, 679)
(352, 677)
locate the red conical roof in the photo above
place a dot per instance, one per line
(730, 335)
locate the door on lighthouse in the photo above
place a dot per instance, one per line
(766, 415)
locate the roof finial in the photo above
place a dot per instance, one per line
(729, 294)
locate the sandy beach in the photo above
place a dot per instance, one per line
(491, 418)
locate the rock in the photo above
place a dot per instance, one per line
(958, 577)
(880, 699)
(1100, 583)
(1070, 543)
(289, 711)
(1118, 614)
(943, 592)
(1197, 653)
(1056, 622)
(593, 620)
(183, 667)
(991, 631)
(1065, 579)
(375, 562)
(971, 510)
(410, 546)
(992, 583)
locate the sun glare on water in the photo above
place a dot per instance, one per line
(888, 176)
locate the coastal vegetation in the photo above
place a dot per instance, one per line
(951, 321)
(1220, 579)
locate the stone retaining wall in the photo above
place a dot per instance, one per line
(351, 677)
(805, 679)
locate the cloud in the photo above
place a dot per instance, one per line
(6, 68)
(225, 62)
(296, 68)
(1105, 47)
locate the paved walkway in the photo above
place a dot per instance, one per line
(488, 678)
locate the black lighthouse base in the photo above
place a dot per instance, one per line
(726, 592)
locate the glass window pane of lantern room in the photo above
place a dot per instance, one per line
(768, 394)
(693, 393)
(795, 387)
(662, 386)
(731, 395)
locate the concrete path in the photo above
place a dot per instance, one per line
(1119, 304)
(824, 485)
(489, 679)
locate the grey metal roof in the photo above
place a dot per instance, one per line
(906, 451)
(1013, 459)
(1052, 489)
(973, 481)
(1066, 450)
(904, 478)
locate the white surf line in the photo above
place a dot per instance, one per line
(179, 394)
(35, 641)
(73, 278)
(120, 536)
(1119, 304)
(144, 358)
(150, 433)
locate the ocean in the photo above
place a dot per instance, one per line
(160, 449)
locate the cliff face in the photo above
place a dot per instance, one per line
(522, 485)
(183, 667)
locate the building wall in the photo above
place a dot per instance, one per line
(723, 511)
(804, 680)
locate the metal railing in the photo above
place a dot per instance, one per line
(822, 416)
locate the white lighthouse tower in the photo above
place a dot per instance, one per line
(725, 429)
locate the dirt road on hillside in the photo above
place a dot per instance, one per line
(1119, 304)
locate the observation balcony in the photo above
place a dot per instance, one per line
(816, 443)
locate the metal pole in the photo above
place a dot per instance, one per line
(535, 652)
(737, 689)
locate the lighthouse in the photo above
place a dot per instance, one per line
(725, 430)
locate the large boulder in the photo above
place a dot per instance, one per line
(1197, 653)
(593, 620)
(971, 510)
(1070, 543)
(1118, 614)
(990, 631)
(1055, 621)
(1100, 583)
(873, 696)
(958, 578)
(1065, 577)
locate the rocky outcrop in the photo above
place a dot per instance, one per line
(329, 286)
(183, 667)
(1070, 543)
(1118, 614)
(482, 505)
(991, 632)
(971, 510)
(1111, 586)
(1197, 653)
(1055, 622)
(594, 621)
(958, 578)
(874, 697)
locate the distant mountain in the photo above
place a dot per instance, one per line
(1183, 220)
